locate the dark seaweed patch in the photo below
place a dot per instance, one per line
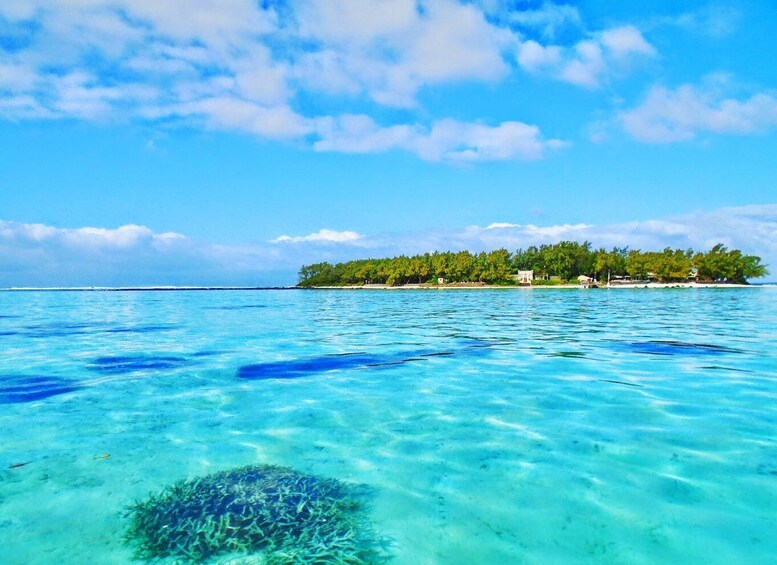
(295, 368)
(121, 364)
(677, 348)
(15, 389)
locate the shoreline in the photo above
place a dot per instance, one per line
(475, 286)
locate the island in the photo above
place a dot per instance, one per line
(561, 264)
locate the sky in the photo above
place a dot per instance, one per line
(231, 141)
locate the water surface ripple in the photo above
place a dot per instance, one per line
(516, 426)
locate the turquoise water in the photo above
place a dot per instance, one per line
(492, 426)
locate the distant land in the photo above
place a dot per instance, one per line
(559, 264)
(135, 288)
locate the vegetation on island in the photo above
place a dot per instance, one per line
(551, 263)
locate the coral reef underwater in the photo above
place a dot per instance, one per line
(286, 516)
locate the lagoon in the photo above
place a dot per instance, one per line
(489, 427)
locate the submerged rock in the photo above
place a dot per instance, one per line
(287, 516)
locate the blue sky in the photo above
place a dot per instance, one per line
(230, 141)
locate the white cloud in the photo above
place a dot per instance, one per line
(626, 40)
(455, 42)
(590, 61)
(679, 115)
(446, 140)
(236, 65)
(557, 232)
(391, 48)
(233, 65)
(715, 20)
(532, 56)
(42, 255)
(549, 19)
(321, 236)
(16, 77)
(500, 226)
(127, 236)
(232, 113)
(586, 67)
(356, 21)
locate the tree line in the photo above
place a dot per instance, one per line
(564, 261)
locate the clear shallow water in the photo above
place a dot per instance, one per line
(505, 426)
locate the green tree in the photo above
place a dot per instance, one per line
(566, 259)
(637, 264)
(671, 264)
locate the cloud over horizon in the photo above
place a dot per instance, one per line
(681, 114)
(39, 255)
(321, 236)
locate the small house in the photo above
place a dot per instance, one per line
(585, 282)
(524, 277)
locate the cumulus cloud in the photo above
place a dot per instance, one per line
(391, 48)
(446, 140)
(123, 237)
(500, 225)
(533, 57)
(239, 65)
(590, 61)
(387, 49)
(550, 18)
(714, 20)
(42, 255)
(625, 41)
(321, 236)
(681, 114)
(37, 254)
